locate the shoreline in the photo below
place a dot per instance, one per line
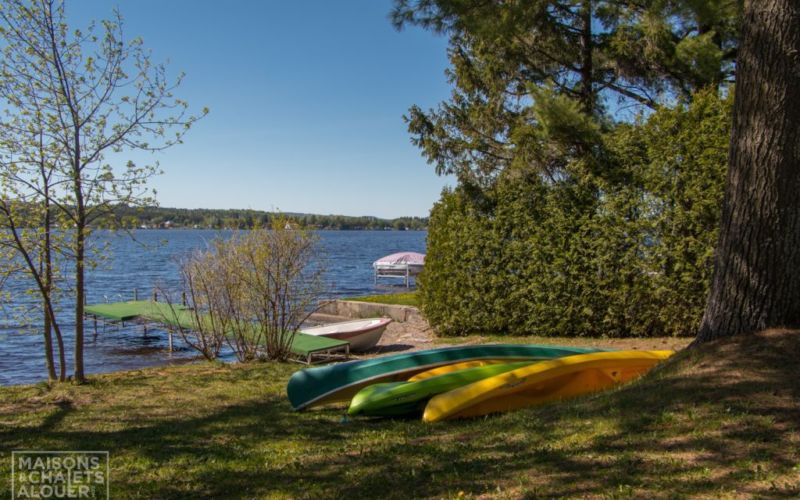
(412, 335)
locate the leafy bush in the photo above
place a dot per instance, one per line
(252, 292)
(622, 249)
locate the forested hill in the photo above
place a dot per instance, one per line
(201, 218)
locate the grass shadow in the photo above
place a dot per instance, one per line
(722, 420)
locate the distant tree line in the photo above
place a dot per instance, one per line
(131, 217)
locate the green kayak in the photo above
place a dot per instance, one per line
(392, 399)
(339, 382)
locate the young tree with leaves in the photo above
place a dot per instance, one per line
(27, 219)
(98, 95)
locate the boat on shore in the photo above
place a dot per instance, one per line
(393, 399)
(340, 382)
(540, 383)
(363, 334)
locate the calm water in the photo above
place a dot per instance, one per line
(151, 261)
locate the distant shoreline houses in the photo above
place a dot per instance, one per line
(312, 228)
(180, 218)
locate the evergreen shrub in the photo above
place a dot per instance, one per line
(624, 249)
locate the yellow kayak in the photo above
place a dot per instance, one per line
(550, 380)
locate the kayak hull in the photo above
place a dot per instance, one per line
(340, 382)
(443, 370)
(363, 334)
(404, 398)
(543, 382)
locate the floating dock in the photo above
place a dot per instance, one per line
(180, 317)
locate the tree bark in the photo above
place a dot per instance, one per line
(50, 322)
(47, 272)
(80, 248)
(51, 325)
(80, 292)
(756, 280)
(80, 259)
(587, 53)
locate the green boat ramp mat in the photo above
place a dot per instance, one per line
(178, 316)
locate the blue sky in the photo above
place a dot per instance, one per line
(306, 102)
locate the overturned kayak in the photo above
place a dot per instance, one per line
(539, 383)
(339, 382)
(403, 398)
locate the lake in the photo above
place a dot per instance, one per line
(149, 260)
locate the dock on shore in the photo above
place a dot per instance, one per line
(180, 317)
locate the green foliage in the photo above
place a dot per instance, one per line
(71, 100)
(563, 221)
(622, 249)
(252, 291)
(399, 299)
(131, 217)
(682, 189)
(463, 254)
(678, 46)
(534, 81)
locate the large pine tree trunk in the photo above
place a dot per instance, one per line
(756, 281)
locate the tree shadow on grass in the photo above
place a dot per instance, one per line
(715, 420)
(390, 348)
(51, 421)
(719, 419)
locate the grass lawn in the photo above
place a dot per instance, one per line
(723, 420)
(654, 343)
(399, 299)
